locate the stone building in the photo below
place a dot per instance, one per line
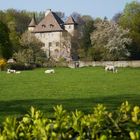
(55, 34)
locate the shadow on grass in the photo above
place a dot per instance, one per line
(19, 107)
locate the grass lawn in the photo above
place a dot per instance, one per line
(80, 88)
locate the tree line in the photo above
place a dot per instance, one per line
(96, 39)
(115, 39)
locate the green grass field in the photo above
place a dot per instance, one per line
(80, 88)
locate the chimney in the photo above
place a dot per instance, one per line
(47, 12)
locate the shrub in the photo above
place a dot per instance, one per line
(52, 63)
(122, 124)
(20, 66)
(2, 63)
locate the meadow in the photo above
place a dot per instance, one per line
(80, 88)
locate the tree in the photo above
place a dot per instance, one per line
(38, 15)
(60, 14)
(110, 41)
(30, 51)
(17, 22)
(85, 40)
(2, 64)
(81, 42)
(77, 17)
(5, 44)
(14, 36)
(116, 17)
(21, 19)
(131, 19)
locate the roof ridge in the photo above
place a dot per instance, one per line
(58, 18)
(51, 22)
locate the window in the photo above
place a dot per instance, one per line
(69, 26)
(50, 44)
(43, 26)
(57, 43)
(51, 25)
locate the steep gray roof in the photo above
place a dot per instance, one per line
(50, 23)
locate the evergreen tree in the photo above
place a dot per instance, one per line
(5, 44)
(85, 41)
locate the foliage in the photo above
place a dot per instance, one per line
(75, 45)
(78, 18)
(116, 17)
(20, 19)
(131, 19)
(13, 35)
(30, 52)
(24, 56)
(51, 63)
(20, 66)
(5, 44)
(2, 63)
(110, 41)
(85, 40)
(81, 42)
(60, 14)
(17, 22)
(123, 124)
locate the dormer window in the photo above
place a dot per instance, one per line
(51, 25)
(43, 26)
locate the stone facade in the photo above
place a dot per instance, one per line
(55, 34)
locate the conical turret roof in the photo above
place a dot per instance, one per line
(33, 22)
(70, 20)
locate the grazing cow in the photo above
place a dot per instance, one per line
(50, 71)
(18, 72)
(13, 71)
(111, 68)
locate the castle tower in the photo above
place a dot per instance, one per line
(32, 24)
(70, 25)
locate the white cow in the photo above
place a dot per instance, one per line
(13, 71)
(18, 72)
(111, 68)
(50, 71)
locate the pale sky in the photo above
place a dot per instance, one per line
(94, 8)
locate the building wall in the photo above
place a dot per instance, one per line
(70, 29)
(55, 45)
